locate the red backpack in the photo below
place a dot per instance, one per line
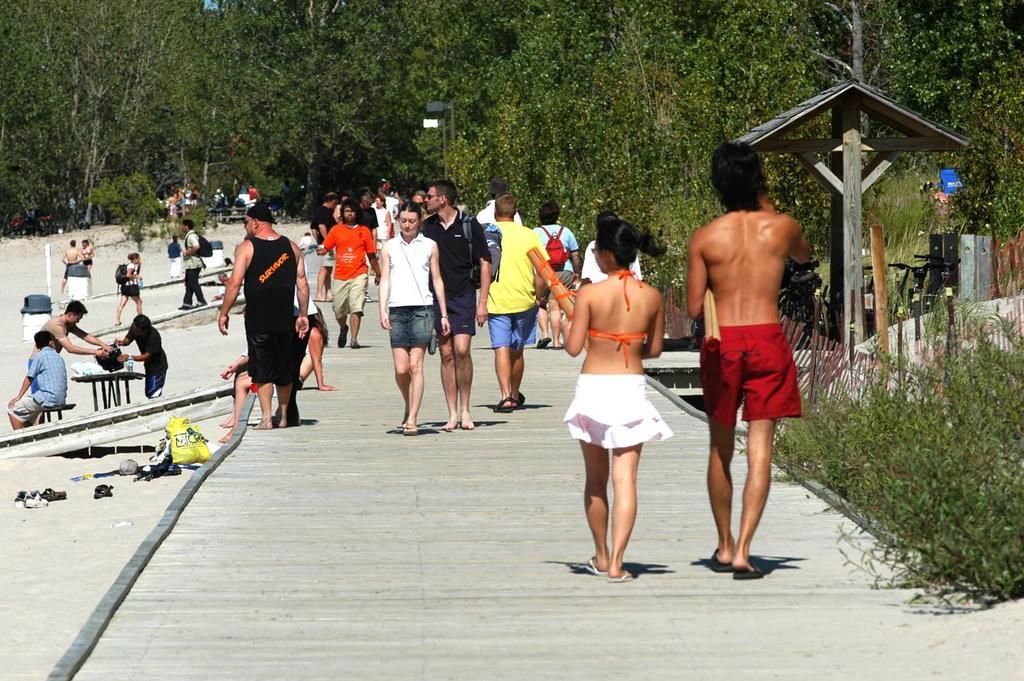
(556, 249)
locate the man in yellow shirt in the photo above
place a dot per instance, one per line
(512, 302)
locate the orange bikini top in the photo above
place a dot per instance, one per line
(623, 339)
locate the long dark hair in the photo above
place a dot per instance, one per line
(737, 176)
(624, 240)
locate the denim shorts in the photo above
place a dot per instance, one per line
(411, 325)
(514, 330)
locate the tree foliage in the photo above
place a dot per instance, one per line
(600, 105)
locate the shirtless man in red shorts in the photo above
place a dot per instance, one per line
(741, 257)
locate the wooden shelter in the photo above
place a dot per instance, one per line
(845, 175)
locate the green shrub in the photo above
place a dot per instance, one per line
(131, 199)
(938, 463)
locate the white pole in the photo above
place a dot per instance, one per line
(49, 274)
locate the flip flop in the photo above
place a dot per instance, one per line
(591, 567)
(543, 343)
(52, 495)
(753, 573)
(520, 401)
(103, 491)
(507, 405)
(718, 566)
(410, 430)
(624, 577)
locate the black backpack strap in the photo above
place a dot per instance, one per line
(467, 231)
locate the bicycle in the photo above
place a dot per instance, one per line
(801, 298)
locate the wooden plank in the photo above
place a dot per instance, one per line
(886, 144)
(820, 172)
(975, 267)
(876, 167)
(878, 272)
(13, 445)
(852, 237)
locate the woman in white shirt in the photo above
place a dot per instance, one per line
(408, 261)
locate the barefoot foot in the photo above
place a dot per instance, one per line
(466, 423)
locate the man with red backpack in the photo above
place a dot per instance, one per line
(564, 254)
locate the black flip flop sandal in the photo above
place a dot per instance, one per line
(507, 405)
(103, 491)
(718, 566)
(53, 495)
(753, 573)
(521, 401)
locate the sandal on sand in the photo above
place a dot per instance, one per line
(543, 343)
(103, 491)
(624, 577)
(718, 566)
(753, 572)
(409, 429)
(52, 495)
(591, 567)
(507, 405)
(521, 401)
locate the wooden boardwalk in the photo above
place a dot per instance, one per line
(341, 550)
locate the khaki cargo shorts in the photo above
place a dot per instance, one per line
(349, 296)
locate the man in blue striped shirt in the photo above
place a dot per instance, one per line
(48, 370)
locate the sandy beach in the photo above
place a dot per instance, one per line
(62, 559)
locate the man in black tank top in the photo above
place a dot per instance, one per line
(270, 267)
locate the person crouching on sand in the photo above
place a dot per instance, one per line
(623, 320)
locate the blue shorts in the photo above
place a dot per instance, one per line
(514, 330)
(411, 325)
(461, 314)
(155, 385)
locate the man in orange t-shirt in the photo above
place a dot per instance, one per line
(353, 245)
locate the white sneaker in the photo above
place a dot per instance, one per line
(34, 500)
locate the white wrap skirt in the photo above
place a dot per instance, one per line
(612, 410)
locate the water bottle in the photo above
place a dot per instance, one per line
(129, 364)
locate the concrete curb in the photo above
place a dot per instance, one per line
(89, 635)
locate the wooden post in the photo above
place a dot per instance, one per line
(881, 297)
(837, 250)
(852, 237)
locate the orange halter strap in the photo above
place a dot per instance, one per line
(623, 339)
(623, 276)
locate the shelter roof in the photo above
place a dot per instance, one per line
(770, 136)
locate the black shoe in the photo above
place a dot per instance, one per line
(185, 306)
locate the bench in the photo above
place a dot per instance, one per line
(59, 409)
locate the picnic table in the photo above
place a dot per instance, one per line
(109, 385)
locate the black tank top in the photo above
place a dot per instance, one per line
(270, 286)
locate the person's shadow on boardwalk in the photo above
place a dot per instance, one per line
(635, 569)
(767, 564)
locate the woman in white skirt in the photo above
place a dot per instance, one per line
(623, 320)
(409, 263)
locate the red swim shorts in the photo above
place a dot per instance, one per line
(753, 364)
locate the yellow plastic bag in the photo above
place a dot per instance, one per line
(188, 445)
